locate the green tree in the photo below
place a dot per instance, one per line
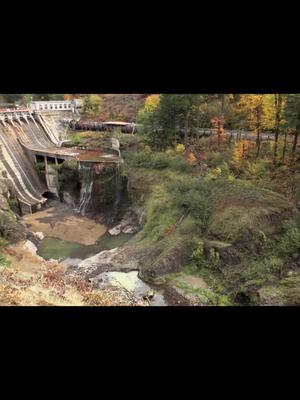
(278, 116)
(173, 113)
(92, 105)
(292, 116)
(11, 98)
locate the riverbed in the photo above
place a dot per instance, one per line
(62, 222)
(70, 238)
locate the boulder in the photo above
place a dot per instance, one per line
(108, 260)
(116, 230)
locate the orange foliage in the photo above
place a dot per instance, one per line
(192, 159)
(243, 149)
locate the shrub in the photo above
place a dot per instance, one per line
(290, 242)
(140, 159)
(3, 261)
(179, 149)
(197, 251)
(201, 260)
(216, 159)
(256, 170)
(159, 161)
(192, 160)
(75, 139)
(180, 164)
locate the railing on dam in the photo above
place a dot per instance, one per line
(55, 105)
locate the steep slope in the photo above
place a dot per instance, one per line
(123, 107)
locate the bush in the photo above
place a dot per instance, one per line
(179, 149)
(201, 260)
(3, 261)
(159, 161)
(179, 163)
(192, 195)
(216, 159)
(75, 139)
(290, 242)
(256, 170)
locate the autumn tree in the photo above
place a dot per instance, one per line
(92, 105)
(147, 117)
(253, 106)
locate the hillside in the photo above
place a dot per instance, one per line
(122, 107)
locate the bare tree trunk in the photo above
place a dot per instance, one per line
(258, 128)
(278, 104)
(258, 142)
(221, 119)
(295, 139)
(284, 146)
(186, 129)
(294, 145)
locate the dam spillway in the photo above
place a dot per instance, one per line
(25, 135)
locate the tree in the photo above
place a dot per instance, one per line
(11, 98)
(172, 114)
(92, 105)
(253, 106)
(292, 116)
(147, 117)
(278, 108)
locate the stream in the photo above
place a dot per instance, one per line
(72, 253)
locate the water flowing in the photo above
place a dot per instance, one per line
(86, 179)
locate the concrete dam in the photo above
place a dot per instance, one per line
(26, 139)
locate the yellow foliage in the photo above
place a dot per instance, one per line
(152, 102)
(180, 148)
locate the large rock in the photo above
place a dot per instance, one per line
(10, 229)
(108, 260)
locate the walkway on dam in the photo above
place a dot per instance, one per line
(67, 153)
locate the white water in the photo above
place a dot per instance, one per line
(86, 175)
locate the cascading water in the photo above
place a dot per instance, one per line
(86, 179)
(118, 192)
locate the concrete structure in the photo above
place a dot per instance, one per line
(55, 105)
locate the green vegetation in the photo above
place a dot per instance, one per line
(75, 139)
(3, 261)
(92, 105)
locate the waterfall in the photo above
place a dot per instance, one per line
(86, 179)
(118, 191)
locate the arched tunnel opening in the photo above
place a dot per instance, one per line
(50, 196)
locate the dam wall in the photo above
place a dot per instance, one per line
(31, 148)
